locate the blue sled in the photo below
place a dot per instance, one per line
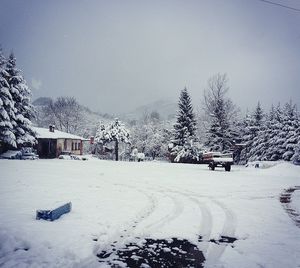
(51, 215)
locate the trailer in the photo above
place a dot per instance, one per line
(218, 159)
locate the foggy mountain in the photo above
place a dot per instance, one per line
(165, 108)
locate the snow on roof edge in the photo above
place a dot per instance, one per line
(44, 133)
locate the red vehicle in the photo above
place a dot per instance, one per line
(217, 159)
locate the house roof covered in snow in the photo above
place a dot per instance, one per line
(45, 133)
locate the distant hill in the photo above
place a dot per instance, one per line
(42, 101)
(166, 110)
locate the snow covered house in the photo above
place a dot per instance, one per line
(51, 142)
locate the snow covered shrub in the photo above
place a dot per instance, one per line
(188, 154)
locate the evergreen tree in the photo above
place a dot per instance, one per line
(258, 115)
(7, 109)
(296, 157)
(274, 137)
(182, 148)
(276, 148)
(185, 126)
(113, 132)
(21, 97)
(258, 141)
(290, 126)
(271, 132)
(247, 134)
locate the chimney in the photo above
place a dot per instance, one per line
(51, 128)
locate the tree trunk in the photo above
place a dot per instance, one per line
(117, 150)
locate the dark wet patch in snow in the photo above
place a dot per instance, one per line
(224, 239)
(25, 249)
(286, 199)
(155, 253)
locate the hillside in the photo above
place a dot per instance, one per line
(166, 110)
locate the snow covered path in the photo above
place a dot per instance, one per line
(119, 203)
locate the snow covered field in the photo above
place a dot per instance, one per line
(120, 203)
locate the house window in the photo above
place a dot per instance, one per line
(78, 145)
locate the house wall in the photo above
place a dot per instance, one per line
(77, 147)
(69, 145)
(60, 146)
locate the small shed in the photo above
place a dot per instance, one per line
(52, 142)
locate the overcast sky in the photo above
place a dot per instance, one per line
(116, 55)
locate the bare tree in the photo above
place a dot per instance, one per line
(219, 114)
(215, 98)
(65, 113)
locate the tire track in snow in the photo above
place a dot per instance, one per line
(216, 250)
(146, 211)
(177, 210)
(119, 238)
(213, 252)
(206, 216)
(230, 219)
(287, 203)
(205, 224)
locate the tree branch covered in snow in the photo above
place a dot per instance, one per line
(114, 132)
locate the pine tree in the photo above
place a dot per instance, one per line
(290, 126)
(278, 139)
(113, 132)
(247, 135)
(185, 126)
(258, 141)
(270, 133)
(182, 149)
(296, 157)
(20, 93)
(258, 115)
(7, 109)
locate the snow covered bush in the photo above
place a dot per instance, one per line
(151, 137)
(188, 154)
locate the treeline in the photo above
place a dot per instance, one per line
(272, 136)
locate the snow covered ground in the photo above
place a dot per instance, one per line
(121, 203)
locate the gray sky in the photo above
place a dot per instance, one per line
(116, 55)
